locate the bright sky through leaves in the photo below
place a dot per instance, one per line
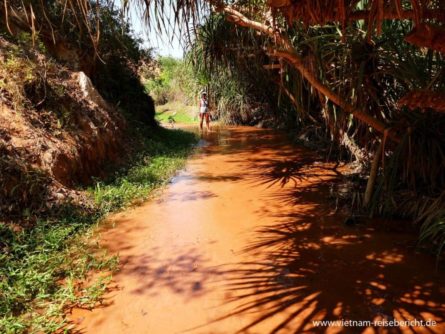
(163, 42)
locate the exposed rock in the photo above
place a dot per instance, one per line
(89, 91)
(66, 140)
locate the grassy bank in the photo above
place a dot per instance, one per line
(177, 111)
(42, 267)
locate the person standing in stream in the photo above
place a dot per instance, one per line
(204, 111)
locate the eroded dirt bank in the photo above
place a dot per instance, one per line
(56, 131)
(245, 241)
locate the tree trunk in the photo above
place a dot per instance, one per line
(372, 175)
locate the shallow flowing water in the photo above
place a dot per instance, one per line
(245, 240)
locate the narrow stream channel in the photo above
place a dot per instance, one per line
(245, 240)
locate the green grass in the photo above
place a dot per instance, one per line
(181, 113)
(42, 268)
(162, 154)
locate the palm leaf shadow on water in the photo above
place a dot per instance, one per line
(184, 274)
(303, 266)
(280, 172)
(309, 267)
(303, 276)
(289, 170)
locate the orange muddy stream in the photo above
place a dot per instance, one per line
(245, 240)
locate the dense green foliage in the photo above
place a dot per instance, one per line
(173, 80)
(373, 76)
(101, 44)
(229, 63)
(116, 73)
(175, 89)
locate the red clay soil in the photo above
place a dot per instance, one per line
(55, 132)
(245, 240)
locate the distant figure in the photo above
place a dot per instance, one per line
(204, 111)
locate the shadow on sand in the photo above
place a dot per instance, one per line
(309, 267)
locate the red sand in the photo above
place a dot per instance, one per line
(245, 241)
